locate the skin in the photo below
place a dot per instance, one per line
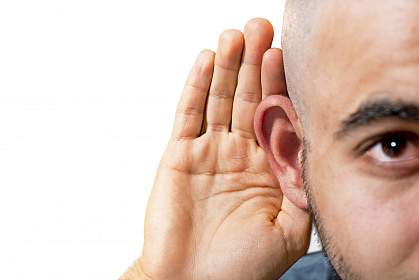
(216, 208)
(365, 202)
(368, 209)
(212, 216)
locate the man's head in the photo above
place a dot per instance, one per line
(352, 71)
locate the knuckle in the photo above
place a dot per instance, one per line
(249, 96)
(216, 127)
(190, 111)
(221, 93)
(195, 87)
(181, 138)
(243, 132)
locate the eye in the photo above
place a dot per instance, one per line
(394, 148)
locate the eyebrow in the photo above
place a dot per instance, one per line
(372, 112)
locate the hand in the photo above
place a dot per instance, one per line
(216, 210)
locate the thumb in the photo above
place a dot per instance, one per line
(296, 225)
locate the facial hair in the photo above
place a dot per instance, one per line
(341, 269)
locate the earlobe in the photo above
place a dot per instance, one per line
(278, 131)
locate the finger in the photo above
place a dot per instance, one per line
(191, 106)
(258, 35)
(227, 63)
(273, 76)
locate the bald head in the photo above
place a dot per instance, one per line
(298, 26)
(324, 40)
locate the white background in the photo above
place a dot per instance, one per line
(88, 91)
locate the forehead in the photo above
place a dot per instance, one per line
(362, 49)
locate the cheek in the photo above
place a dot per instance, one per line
(373, 225)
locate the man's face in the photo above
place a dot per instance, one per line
(363, 157)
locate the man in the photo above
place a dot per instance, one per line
(245, 166)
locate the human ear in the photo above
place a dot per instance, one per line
(278, 131)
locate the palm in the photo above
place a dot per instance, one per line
(235, 198)
(216, 209)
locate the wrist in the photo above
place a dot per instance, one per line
(135, 272)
